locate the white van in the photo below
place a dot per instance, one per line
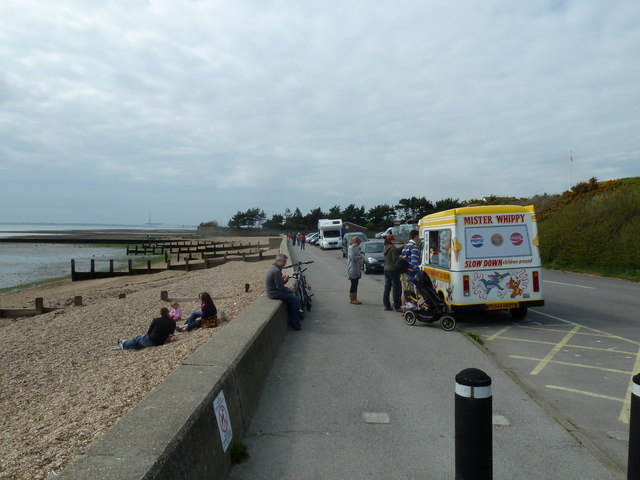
(330, 232)
(484, 258)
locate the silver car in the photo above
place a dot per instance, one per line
(372, 256)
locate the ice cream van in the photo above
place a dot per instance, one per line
(484, 258)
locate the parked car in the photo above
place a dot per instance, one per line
(312, 238)
(372, 256)
(347, 238)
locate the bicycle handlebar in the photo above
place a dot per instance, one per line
(298, 264)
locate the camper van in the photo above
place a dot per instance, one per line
(484, 258)
(330, 232)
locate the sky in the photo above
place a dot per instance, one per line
(190, 111)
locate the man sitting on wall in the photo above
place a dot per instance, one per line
(274, 287)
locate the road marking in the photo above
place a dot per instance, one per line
(570, 284)
(554, 351)
(580, 365)
(551, 316)
(625, 413)
(568, 345)
(599, 332)
(582, 392)
(497, 334)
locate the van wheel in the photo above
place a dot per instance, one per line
(519, 312)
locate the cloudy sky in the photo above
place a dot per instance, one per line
(189, 111)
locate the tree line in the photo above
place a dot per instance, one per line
(407, 210)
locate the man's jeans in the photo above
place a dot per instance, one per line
(293, 305)
(392, 283)
(136, 343)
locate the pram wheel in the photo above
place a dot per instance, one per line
(410, 317)
(447, 322)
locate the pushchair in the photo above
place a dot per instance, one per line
(425, 305)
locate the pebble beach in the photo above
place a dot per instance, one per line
(64, 382)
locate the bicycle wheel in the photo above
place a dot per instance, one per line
(307, 300)
(300, 296)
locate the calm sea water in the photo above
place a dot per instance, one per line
(22, 263)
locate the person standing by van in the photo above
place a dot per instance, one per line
(353, 269)
(391, 274)
(411, 253)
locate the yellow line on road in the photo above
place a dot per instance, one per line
(582, 392)
(497, 334)
(554, 351)
(569, 345)
(626, 407)
(580, 365)
(587, 334)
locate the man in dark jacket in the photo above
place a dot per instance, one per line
(274, 288)
(160, 330)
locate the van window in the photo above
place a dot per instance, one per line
(438, 248)
(332, 234)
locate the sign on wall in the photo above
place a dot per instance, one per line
(223, 419)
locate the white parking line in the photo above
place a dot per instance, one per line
(570, 284)
(551, 316)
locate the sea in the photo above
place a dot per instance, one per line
(26, 263)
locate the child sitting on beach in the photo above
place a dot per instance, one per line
(176, 312)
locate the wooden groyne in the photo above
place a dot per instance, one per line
(189, 256)
(28, 312)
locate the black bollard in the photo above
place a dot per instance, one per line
(633, 464)
(474, 442)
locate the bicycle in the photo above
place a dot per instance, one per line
(302, 287)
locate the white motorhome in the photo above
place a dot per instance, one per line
(484, 258)
(330, 232)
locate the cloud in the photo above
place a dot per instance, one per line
(296, 104)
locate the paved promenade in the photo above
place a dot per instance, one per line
(358, 394)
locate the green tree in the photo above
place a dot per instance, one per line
(446, 204)
(311, 219)
(335, 212)
(295, 221)
(410, 210)
(238, 220)
(276, 222)
(380, 217)
(354, 214)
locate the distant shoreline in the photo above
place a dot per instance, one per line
(120, 235)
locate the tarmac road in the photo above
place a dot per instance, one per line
(359, 394)
(577, 354)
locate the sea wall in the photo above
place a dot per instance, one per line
(175, 432)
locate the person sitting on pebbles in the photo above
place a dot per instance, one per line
(160, 330)
(207, 317)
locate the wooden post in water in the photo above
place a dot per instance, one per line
(93, 265)
(148, 266)
(130, 262)
(73, 269)
(111, 266)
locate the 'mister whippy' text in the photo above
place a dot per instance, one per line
(494, 219)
